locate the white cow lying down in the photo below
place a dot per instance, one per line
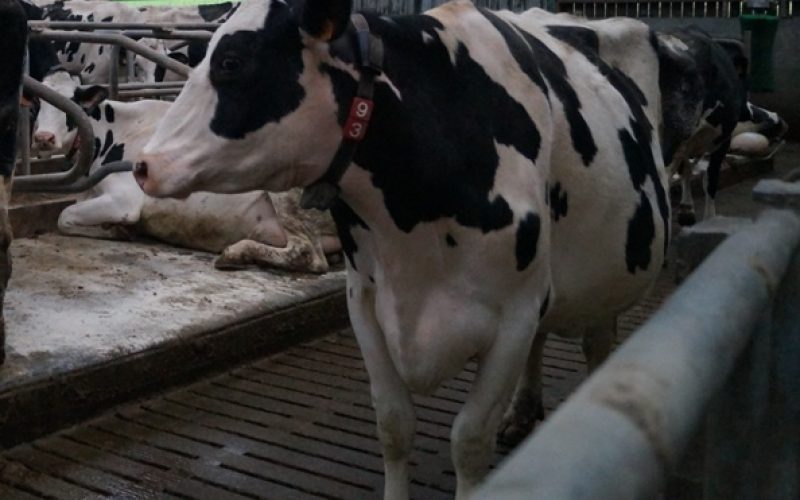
(249, 228)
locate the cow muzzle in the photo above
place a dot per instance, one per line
(144, 171)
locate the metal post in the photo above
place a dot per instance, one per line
(113, 77)
(85, 151)
(131, 64)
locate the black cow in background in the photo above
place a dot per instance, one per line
(13, 35)
(703, 99)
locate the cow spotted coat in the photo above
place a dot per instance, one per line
(511, 181)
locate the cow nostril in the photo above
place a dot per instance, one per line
(140, 170)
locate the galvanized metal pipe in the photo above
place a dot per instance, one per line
(628, 423)
(113, 77)
(130, 94)
(140, 85)
(85, 156)
(115, 39)
(80, 25)
(90, 181)
(169, 35)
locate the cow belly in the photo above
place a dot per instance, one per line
(431, 335)
(209, 222)
(608, 247)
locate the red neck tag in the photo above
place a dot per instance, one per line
(356, 126)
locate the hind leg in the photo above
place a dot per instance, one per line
(299, 254)
(711, 178)
(597, 343)
(686, 215)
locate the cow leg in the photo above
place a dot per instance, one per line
(5, 256)
(711, 178)
(299, 254)
(394, 408)
(686, 216)
(474, 431)
(527, 406)
(96, 217)
(597, 343)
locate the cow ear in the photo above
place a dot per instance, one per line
(89, 98)
(325, 20)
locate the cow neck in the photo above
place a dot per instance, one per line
(369, 57)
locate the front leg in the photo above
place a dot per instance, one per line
(5, 256)
(527, 405)
(394, 408)
(95, 217)
(475, 428)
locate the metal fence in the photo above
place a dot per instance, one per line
(118, 36)
(597, 8)
(724, 350)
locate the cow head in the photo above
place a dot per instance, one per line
(54, 131)
(257, 113)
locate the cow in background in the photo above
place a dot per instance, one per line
(705, 108)
(702, 104)
(13, 37)
(255, 228)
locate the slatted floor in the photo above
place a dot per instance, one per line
(297, 425)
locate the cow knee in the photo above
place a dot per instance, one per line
(396, 424)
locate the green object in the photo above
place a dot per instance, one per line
(762, 30)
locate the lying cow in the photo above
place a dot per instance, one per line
(509, 179)
(13, 35)
(248, 228)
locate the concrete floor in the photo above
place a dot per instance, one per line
(73, 301)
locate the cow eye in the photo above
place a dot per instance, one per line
(231, 64)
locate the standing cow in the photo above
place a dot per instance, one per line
(705, 107)
(13, 36)
(508, 179)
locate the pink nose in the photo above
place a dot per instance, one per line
(45, 138)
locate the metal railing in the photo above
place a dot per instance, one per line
(77, 178)
(725, 348)
(669, 8)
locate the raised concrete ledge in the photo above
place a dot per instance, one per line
(93, 323)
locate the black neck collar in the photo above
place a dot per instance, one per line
(369, 59)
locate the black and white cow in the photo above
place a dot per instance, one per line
(253, 228)
(510, 180)
(13, 37)
(92, 62)
(760, 122)
(702, 105)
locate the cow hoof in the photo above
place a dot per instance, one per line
(686, 219)
(519, 424)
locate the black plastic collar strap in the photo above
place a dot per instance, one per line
(322, 193)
